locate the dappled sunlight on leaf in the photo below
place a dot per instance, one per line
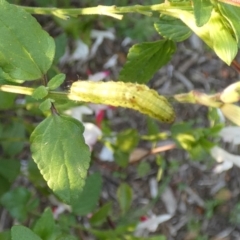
(62, 156)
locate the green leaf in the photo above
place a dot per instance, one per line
(56, 81)
(224, 45)
(67, 237)
(194, 140)
(213, 117)
(124, 197)
(26, 51)
(181, 127)
(232, 14)
(23, 233)
(61, 43)
(173, 29)
(206, 144)
(66, 221)
(214, 130)
(145, 59)
(45, 225)
(214, 33)
(34, 174)
(4, 186)
(152, 127)
(116, 234)
(40, 92)
(143, 169)
(159, 237)
(59, 149)
(5, 78)
(89, 197)
(121, 158)
(100, 216)
(202, 11)
(18, 202)
(127, 140)
(9, 169)
(6, 235)
(46, 104)
(7, 100)
(13, 138)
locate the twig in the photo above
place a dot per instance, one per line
(157, 150)
(114, 167)
(162, 148)
(112, 11)
(236, 65)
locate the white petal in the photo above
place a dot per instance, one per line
(222, 167)
(126, 41)
(111, 62)
(95, 46)
(231, 134)
(102, 34)
(84, 110)
(152, 223)
(65, 58)
(91, 134)
(81, 51)
(98, 76)
(106, 154)
(221, 155)
(77, 112)
(153, 187)
(99, 36)
(169, 200)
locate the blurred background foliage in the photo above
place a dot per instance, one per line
(123, 193)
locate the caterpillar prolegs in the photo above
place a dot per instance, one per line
(129, 95)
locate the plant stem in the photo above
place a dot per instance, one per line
(29, 91)
(16, 89)
(112, 11)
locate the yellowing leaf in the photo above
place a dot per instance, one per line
(214, 33)
(232, 112)
(231, 94)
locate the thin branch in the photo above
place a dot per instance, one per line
(154, 151)
(29, 91)
(112, 11)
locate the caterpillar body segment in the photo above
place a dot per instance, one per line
(129, 95)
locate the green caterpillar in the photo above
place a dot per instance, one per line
(129, 95)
